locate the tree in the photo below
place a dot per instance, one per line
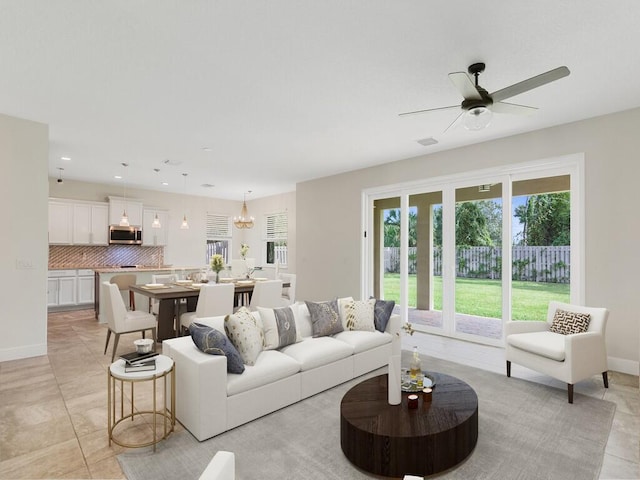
(546, 219)
(392, 228)
(471, 225)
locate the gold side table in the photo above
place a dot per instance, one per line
(164, 368)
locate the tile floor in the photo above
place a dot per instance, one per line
(53, 409)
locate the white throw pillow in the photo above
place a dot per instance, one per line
(342, 304)
(359, 315)
(304, 327)
(245, 332)
(279, 326)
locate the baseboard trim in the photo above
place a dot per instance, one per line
(7, 354)
(623, 365)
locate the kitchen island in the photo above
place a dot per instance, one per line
(144, 274)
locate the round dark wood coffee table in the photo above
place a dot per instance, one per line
(393, 440)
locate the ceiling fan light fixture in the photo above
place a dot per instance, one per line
(477, 118)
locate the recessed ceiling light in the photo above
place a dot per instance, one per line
(206, 149)
(207, 185)
(165, 183)
(117, 176)
(65, 158)
(427, 141)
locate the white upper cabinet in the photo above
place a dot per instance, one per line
(154, 236)
(90, 224)
(117, 205)
(60, 222)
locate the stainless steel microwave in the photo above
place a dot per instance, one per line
(119, 235)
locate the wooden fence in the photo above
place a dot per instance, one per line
(534, 264)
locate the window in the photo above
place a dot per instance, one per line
(275, 238)
(218, 236)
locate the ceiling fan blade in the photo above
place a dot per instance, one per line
(465, 86)
(428, 110)
(457, 119)
(530, 84)
(512, 108)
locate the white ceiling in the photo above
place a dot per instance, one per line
(283, 91)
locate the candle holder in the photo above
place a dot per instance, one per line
(427, 395)
(412, 401)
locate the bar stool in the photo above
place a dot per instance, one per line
(123, 282)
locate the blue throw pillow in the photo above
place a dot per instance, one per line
(213, 342)
(382, 313)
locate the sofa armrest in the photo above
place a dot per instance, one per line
(201, 388)
(524, 326)
(394, 327)
(587, 353)
(221, 467)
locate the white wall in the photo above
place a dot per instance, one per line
(329, 226)
(187, 247)
(24, 152)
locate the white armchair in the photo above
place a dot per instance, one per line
(568, 358)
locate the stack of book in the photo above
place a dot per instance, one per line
(139, 362)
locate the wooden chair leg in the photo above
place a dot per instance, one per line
(132, 301)
(115, 346)
(605, 379)
(107, 342)
(155, 338)
(570, 392)
(508, 368)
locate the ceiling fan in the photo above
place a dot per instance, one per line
(478, 104)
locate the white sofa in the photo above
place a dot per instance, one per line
(210, 401)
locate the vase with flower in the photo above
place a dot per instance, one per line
(244, 250)
(217, 264)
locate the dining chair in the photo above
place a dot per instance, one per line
(124, 282)
(239, 268)
(163, 278)
(289, 293)
(120, 320)
(213, 301)
(267, 294)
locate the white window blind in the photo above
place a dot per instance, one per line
(218, 226)
(277, 226)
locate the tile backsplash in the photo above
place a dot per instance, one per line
(86, 256)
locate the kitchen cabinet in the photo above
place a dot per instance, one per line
(60, 222)
(117, 205)
(86, 279)
(61, 288)
(154, 236)
(90, 224)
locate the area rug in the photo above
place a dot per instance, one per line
(526, 431)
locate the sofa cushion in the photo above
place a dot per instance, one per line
(382, 313)
(568, 323)
(245, 332)
(359, 315)
(315, 352)
(325, 319)
(214, 342)
(269, 367)
(213, 322)
(546, 344)
(361, 340)
(304, 327)
(279, 327)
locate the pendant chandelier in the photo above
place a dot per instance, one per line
(244, 220)
(124, 221)
(185, 224)
(156, 222)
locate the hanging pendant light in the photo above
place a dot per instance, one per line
(244, 220)
(185, 224)
(124, 221)
(156, 222)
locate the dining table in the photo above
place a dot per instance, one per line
(170, 296)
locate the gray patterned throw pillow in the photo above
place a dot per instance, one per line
(213, 342)
(568, 323)
(279, 327)
(382, 313)
(325, 318)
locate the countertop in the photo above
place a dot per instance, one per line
(115, 269)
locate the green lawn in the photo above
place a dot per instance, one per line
(484, 297)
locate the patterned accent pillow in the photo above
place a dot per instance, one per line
(214, 342)
(342, 308)
(279, 326)
(359, 315)
(325, 319)
(245, 332)
(382, 313)
(568, 323)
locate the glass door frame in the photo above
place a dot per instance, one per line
(572, 165)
